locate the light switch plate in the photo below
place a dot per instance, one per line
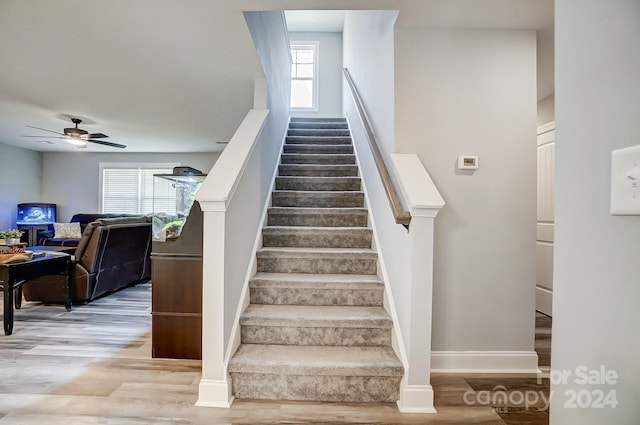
(625, 181)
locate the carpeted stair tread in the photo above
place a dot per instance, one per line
(318, 217)
(317, 260)
(318, 119)
(325, 281)
(314, 158)
(308, 236)
(317, 132)
(315, 170)
(345, 149)
(317, 199)
(316, 316)
(316, 360)
(316, 289)
(322, 211)
(298, 252)
(318, 124)
(320, 140)
(325, 184)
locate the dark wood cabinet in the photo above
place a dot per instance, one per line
(176, 267)
(176, 307)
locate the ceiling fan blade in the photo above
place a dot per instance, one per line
(96, 136)
(45, 137)
(102, 142)
(44, 129)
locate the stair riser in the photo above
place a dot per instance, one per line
(317, 132)
(351, 239)
(319, 149)
(317, 265)
(283, 335)
(318, 124)
(319, 200)
(316, 387)
(317, 159)
(317, 220)
(318, 140)
(318, 119)
(318, 171)
(331, 297)
(310, 184)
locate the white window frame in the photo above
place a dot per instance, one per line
(127, 165)
(316, 58)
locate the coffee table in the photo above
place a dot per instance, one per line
(14, 275)
(66, 249)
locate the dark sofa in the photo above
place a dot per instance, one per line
(47, 237)
(112, 254)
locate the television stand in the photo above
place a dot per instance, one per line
(31, 232)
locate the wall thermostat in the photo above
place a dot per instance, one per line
(467, 162)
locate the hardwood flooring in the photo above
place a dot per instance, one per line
(93, 365)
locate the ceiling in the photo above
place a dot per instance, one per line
(315, 20)
(155, 75)
(163, 76)
(529, 15)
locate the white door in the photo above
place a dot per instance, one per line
(546, 167)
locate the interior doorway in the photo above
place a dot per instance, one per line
(546, 142)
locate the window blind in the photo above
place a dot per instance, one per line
(129, 190)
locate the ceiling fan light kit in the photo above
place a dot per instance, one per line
(79, 137)
(76, 141)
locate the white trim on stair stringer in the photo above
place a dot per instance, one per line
(416, 399)
(235, 340)
(411, 399)
(484, 362)
(210, 389)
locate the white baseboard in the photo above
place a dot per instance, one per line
(544, 300)
(213, 393)
(484, 362)
(416, 399)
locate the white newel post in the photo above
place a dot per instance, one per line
(215, 387)
(424, 202)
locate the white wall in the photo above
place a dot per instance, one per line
(245, 208)
(546, 110)
(72, 180)
(597, 269)
(372, 72)
(368, 54)
(20, 182)
(473, 92)
(545, 61)
(329, 73)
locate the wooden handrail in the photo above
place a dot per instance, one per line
(401, 215)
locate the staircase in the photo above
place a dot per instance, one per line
(315, 328)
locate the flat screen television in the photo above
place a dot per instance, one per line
(36, 213)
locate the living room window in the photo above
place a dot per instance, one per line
(127, 188)
(304, 75)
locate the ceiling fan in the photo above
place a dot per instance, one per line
(79, 137)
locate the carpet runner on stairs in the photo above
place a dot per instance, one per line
(315, 328)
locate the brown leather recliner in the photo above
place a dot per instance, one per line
(112, 254)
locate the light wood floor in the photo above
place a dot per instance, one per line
(93, 366)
